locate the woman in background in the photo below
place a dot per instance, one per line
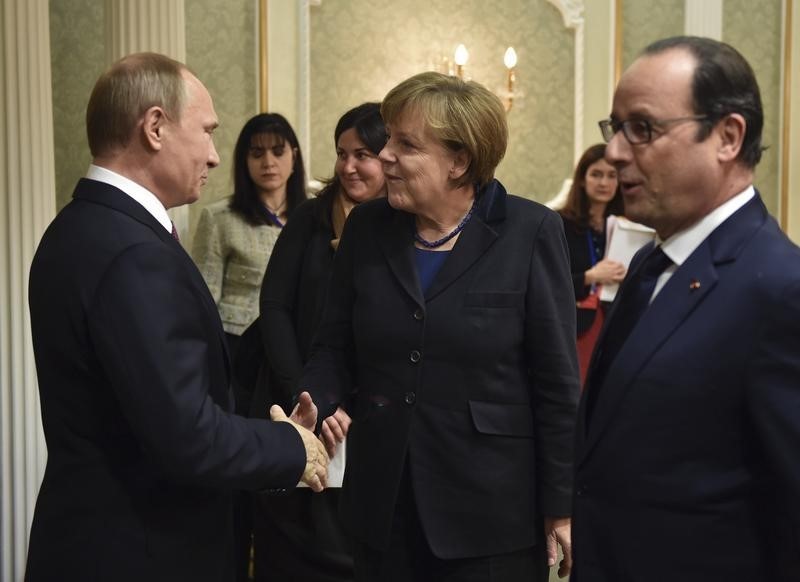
(233, 242)
(298, 536)
(235, 235)
(594, 195)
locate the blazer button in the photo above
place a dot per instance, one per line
(419, 315)
(414, 356)
(410, 398)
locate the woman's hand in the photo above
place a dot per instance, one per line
(334, 429)
(605, 272)
(558, 532)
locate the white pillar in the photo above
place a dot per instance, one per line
(27, 186)
(703, 18)
(790, 164)
(159, 26)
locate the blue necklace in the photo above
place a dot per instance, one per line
(447, 237)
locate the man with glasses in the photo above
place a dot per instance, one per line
(688, 447)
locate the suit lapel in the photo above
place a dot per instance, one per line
(685, 290)
(472, 243)
(397, 244)
(475, 239)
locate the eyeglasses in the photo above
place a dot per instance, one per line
(638, 131)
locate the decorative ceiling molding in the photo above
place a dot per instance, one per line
(571, 11)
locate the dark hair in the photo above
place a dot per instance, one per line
(723, 83)
(367, 121)
(245, 198)
(576, 207)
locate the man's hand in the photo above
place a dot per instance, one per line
(315, 475)
(334, 429)
(558, 531)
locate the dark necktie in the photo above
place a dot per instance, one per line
(633, 303)
(175, 233)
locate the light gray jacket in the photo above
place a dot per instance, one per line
(232, 255)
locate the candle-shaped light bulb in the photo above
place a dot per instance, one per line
(510, 61)
(510, 58)
(462, 55)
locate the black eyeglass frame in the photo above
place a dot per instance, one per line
(610, 127)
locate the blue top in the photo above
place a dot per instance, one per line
(428, 264)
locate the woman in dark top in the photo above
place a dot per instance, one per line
(298, 536)
(593, 197)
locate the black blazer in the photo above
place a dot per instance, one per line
(134, 384)
(474, 385)
(688, 469)
(293, 297)
(580, 260)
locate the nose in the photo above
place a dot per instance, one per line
(268, 159)
(386, 155)
(617, 149)
(213, 157)
(349, 165)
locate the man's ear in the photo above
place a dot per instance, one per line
(153, 122)
(461, 163)
(731, 130)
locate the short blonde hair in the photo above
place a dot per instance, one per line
(461, 114)
(125, 91)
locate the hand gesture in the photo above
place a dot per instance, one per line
(558, 531)
(305, 412)
(605, 272)
(334, 429)
(315, 474)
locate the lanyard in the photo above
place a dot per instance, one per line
(592, 253)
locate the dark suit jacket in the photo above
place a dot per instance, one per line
(134, 384)
(474, 385)
(688, 469)
(293, 296)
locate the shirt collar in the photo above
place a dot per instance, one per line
(682, 244)
(139, 193)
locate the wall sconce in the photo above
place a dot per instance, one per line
(510, 61)
(506, 93)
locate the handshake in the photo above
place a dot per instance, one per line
(318, 450)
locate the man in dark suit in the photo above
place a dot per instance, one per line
(688, 435)
(143, 452)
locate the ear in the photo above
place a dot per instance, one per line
(154, 121)
(731, 130)
(460, 165)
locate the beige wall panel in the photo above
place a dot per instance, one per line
(754, 29)
(221, 49)
(362, 48)
(644, 21)
(77, 55)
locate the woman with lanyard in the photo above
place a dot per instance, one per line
(594, 196)
(235, 235)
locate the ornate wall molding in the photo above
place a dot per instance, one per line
(149, 25)
(572, 13)
(703, 18)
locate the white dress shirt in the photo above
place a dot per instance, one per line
(681, 245)
(139, 193)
